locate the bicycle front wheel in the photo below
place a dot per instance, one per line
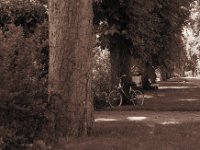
(115, 99)
(138, 97)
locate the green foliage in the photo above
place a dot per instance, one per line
(101, 77)
(111, 20)
(151, 30)
(174, 15)
(23, 87)
(23, 13)
(192, 37)
(191, 64)
(156, 30)
(23, 69)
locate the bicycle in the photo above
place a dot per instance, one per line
(115, 97)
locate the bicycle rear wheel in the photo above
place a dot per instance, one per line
(115, 99)
(137, 97)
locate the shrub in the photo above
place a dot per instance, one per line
(101, 77)
(23, 91)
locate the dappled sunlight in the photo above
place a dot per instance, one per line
(162, 121)
(161, 95)
(189, 100)
(134, 118)
(148, 96)
(170, 122)
(175, 87)
(197, 78)
(139, 118)
(105, 120)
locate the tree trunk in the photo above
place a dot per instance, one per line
(163, 73)
(120, 63)
(125, 68)
(115, 65)
(149, 75)
(126, 63)
(70, 36)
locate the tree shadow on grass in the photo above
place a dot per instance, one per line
(140, 136)
(173, 99)
(171, 96)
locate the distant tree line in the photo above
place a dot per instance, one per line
(148, 31)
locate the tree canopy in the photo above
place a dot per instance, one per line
(149, 30)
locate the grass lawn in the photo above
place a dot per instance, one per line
(140, 136)
(171, 96)
(147, 135)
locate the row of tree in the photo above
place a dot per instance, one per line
(146, 32)
(192, 38)
(150, 31)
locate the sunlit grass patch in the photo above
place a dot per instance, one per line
(138, 127)
(136, 118)
(105, 120)
(170, 122)
(189, 99)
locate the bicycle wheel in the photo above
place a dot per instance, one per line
(137, 97)
(115, 99)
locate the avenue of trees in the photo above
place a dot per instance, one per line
(49, 68)
(191, 38)
(150, 32)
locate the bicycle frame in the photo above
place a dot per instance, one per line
(116, 96)
(121, 90)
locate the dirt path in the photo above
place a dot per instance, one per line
(175, 103)
(168, 117)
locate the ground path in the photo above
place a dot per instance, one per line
(177, 101)
(152, 117)
(168, 120)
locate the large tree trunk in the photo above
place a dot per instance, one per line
(149, 75)
(115, 65)
(120, 64)
(126, 63)
(120, 59)
(163, 73)
(70, 27)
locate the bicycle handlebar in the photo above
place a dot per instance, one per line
(122, 76)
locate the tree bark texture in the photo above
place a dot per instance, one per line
(148, 74)
(163, 72)
(120, 63)
(115, 65)
(70, 40)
